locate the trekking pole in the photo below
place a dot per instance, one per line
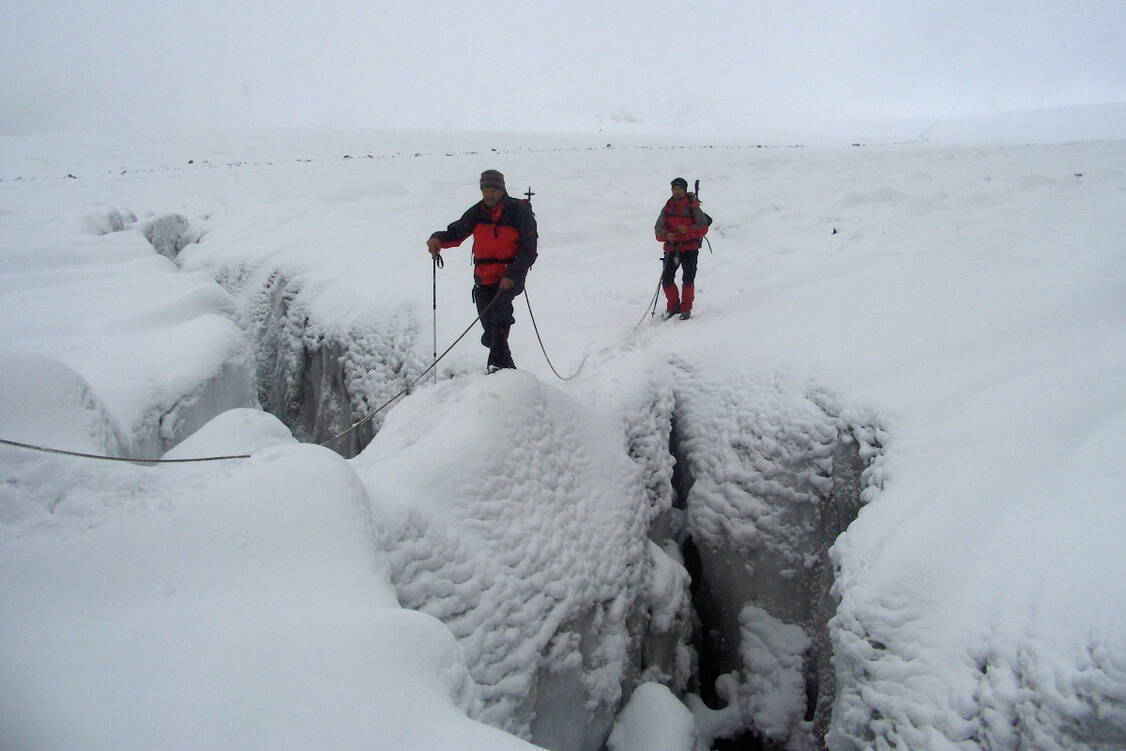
(657, 292)
(435, 264)
(652, 307)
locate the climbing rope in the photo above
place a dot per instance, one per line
(33, 447)
(651, 308)
(532, 316)
(413, 381)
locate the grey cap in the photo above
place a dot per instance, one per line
(490, 178)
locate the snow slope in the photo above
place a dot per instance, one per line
(946, 320)
(246, 605)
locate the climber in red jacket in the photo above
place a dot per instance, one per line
(680, 227)
(504, 248)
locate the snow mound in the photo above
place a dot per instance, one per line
(158, 347)
(653, 720)
(45, 402)
(515, 517)
(234, 432)
(240, 605)
(169, 234)
(773, 685)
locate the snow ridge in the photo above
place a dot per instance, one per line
(536, 559)
(1011, 692)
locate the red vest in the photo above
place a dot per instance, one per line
(494, 246)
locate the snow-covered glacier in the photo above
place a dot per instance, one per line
(157, 347)
(866, 498)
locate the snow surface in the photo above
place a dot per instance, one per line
(653, 720)
(948, 314)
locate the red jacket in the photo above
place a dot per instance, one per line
(504, 239)
(683, 213)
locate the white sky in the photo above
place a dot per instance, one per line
(74, 64)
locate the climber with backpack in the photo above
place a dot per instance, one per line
(504, 249)
(681, 226)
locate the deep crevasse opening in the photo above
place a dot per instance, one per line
(318, 377)
(749, 481)
(766, 476)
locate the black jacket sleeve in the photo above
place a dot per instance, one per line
(456, 233)
(526, 253)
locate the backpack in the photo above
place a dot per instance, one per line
(707, 217)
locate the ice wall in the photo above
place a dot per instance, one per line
(777, 473)
(751, 478)
(315, 374)
(514, 515)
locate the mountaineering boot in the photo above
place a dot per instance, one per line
(500, 356)
(686, 303)
(672, 299)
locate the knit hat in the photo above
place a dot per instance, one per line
(680, 181)
(490, 178)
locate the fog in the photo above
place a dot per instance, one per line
(124, 64)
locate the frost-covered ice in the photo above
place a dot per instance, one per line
(930, 331)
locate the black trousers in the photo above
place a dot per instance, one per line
(686, 261)
(495, 308)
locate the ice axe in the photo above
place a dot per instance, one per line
(696, 191)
